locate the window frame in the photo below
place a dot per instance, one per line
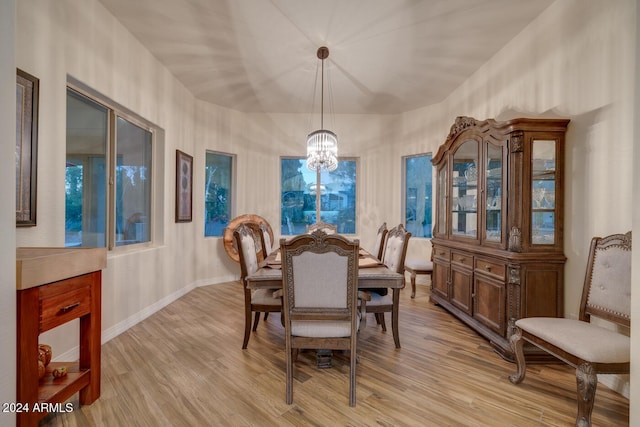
(115, 111)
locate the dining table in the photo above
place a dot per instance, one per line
(371, 274)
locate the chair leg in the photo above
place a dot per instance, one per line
(381, 322)
(289, 386)
(587, 382)
(247, 328)
(413, 284)
(352, 377)
(517, 346)
(266, 314)
(256, 321)
(394, 317)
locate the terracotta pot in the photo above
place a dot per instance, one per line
(44, 354)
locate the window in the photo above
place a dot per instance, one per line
(418, 195)
(218, 180)
(108, 180)
(298, 200)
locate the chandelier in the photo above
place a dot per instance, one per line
(322, 144)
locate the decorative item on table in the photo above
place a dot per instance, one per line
(44, 353)
(60, 372)
(44, 358)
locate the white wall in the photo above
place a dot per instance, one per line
(575, 61)
(7, 210)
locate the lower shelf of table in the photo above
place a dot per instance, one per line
(53, 390)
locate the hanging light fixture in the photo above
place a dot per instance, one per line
(322, 144)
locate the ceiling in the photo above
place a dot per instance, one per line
(386, 56)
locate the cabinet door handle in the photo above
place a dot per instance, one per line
(488, 267)
(69, 307)
(462, 259)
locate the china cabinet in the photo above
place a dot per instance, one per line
(498, 234)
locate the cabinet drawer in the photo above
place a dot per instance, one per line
(492, 268)
(67, 302)
(462, 258)
(442, 253)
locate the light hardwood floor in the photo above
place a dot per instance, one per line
(184, 366)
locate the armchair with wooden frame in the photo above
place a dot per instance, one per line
(584, 344)
(320, 286)
(395, 252)
(258, 300)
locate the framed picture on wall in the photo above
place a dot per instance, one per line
(184, 189)
(27, 87)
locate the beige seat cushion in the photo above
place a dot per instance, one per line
(577, 337)
(419, 265)
(322, 329)
(377, 299)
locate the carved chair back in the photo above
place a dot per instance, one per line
(607, 289)
(395, 248)
(324, 226)
(380, 240)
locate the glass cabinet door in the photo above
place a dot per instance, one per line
(493, 192)
(464, 190)
(543, 192)
(442, 200)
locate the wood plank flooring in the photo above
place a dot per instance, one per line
(184, 366)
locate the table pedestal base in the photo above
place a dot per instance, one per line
(324, 358)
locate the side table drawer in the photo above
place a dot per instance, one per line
(63, 302)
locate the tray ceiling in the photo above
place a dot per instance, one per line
(386, 56)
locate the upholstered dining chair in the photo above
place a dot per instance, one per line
(259, 300)
(380, 239)
(590, 348)
(320, 285)
(267, 246)
(324, 226)
(395, 252)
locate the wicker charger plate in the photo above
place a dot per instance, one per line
(252, 221)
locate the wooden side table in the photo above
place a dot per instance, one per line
(46, 301)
